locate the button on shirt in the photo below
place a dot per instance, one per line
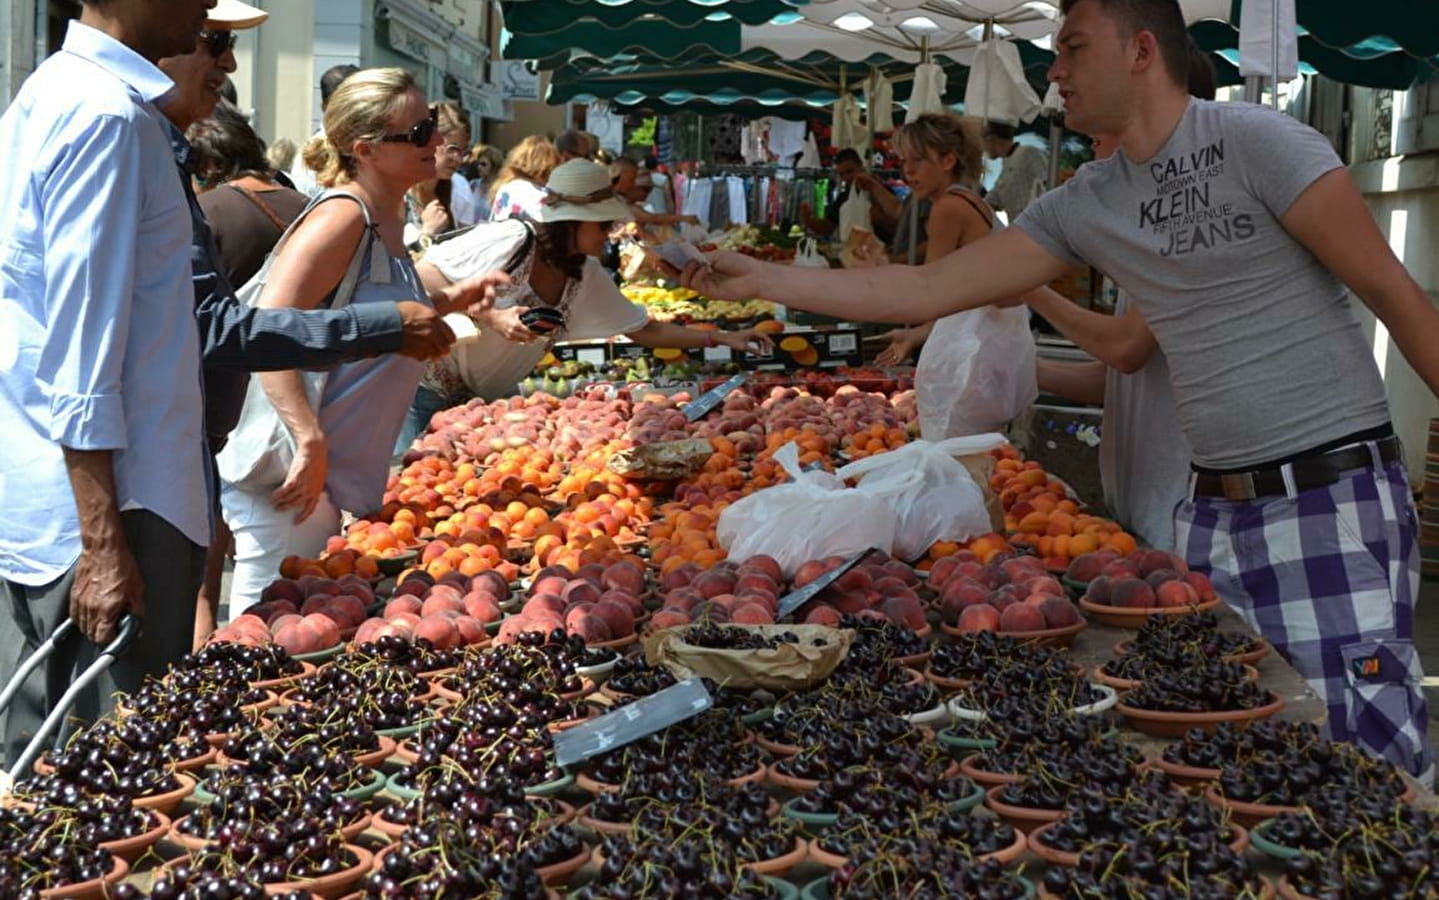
(98, 344)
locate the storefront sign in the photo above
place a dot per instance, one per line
(516, 79)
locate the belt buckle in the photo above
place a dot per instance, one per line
(1238, 486)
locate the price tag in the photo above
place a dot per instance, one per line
(696, 409)
(795, 599)
(629, 723)
(718, 354)
(595, 356)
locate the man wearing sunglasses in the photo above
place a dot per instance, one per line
(237, 339)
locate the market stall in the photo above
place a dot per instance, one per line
(488, 689)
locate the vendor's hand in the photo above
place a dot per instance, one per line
(426, 336)
(902, 344)
(745, 341)
(690, 220)
(107, 585)
(726, 276)
(864, 181)
(869, 254)
(506, 323)
(305, 481)
(477, 294)
(433, 218)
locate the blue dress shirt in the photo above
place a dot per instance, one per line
(98, 344)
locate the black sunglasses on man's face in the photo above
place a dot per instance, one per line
(218, 41)
(419, 134)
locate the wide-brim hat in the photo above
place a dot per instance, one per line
(235, 15)
(581, 191)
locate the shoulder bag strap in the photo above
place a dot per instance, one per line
(979, 205)
(379, 256)
(254, 197)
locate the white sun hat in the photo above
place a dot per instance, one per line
(235, 15)
(581, 191)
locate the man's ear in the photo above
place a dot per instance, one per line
(1145, 50)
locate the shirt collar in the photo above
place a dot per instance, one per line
(117, 59)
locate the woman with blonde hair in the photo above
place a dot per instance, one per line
(942, 159)
(519, 188)
(380, 139)
(442, 203)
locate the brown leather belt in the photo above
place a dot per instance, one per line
(1319, 470)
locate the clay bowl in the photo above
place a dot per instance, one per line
(789, 782)
(169, 801)
(1054, 857)
(969, 768)
(1004, 856)
(195, 763)
(132, 848)
(602, 827)
(94, 889)
(327, 887)
(373, 758)
(1134, 618)
(1023, 818)
(780, 866)
(1246, 814)
(1175, 724)
(1186, 776)
(1288, 891)
(1259, 837)
(181, 838)
(285, 681)
(1119, 684)
(777, 750)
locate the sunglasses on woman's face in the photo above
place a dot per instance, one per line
(420, 134)
(218, 41)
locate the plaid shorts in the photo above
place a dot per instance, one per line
(1329, 576)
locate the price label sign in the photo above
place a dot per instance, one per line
(633, 721)
(697, 408)
(795, 599)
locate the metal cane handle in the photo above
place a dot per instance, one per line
(41, 654)
(129, 628)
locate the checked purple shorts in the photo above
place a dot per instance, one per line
(1329, 576)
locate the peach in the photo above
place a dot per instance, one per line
(482, 607)
(1089, 566)
(590, 627)
(1120, 569)
(594, 573)
(406, 619)
(472, 630)
(325, 628)
(548, 584)
(752, 614)
(624, 576)
(756, 580)
(457, 580)
(942, 571)
(961, 592)
(1021, 617)
(1059, 612)
(1045, 584)
(413, 587)
(768, 601)
(563, 572)
(284, 589)
(511, 629)
(581, 591)
(279, 622)
(767, 564)
(681, 576)
(617, 615)
(1007, 595)
(249, 622)
(1160, 576)
(492, 580)
(709, 611)
(669, 618)
(903, 571)
(1154, 560)
(809, 572)
(905, 610)
(351, 607)
(857, 579)
(298, 637)
(982, 617)
(1100, 590)
(368, 630)
(1202, 586)
(441, 603)
(1020, 568)
(851, 602)
(1175, 595)
(544, 603)
(823, 615)
(686, 598)
(1133, 593)
(714, 582)
(439, 630)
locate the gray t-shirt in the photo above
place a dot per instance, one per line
(1265, 354)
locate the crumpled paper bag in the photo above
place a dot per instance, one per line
(786, 667)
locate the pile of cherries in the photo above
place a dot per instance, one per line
(413, 873)
(1163, 863)
(714, 636)
(875, 794)
(1056, 775)
(308, 762)
(1026, 741)
(1167, 643)
(224, 661)
(413, 654)
(198, 885)
(116, 758)
(370, 694)
(1204, 687)
(452, 750)
(930, 829)
(1094, 817)
(688, 868)
(708, 744)
(941, 873)
(969, 656)
(37, 852)
(244, 801)
(883, 637)
(1383, 858)
(738, 817)
(633, 676)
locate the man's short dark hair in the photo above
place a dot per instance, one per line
(332, 79)
(1201, 73)
(1000, 130)
(850, 155)
(573, 142)
(1162, 18)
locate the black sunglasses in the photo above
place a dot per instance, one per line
(218, 41)
(419, 134)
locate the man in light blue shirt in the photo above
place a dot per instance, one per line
(104, 477)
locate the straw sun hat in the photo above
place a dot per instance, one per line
(235, 15)
(580, 191)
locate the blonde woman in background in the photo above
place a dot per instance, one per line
(943, 159)
(442, 203)
(519, 188)
(380, 140)
(281, 154)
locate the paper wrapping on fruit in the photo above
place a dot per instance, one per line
(662, 461)
(788, 666)
(862, 250)
(933, 495)
(811, 516)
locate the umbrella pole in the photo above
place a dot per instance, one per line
(1274, 47)
(913, 249)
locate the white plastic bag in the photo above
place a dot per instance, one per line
(807, 255)
(808, 518)
(853, 213)
(976, 372)
(931, 493)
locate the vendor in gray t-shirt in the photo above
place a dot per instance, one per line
(1236, 230)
